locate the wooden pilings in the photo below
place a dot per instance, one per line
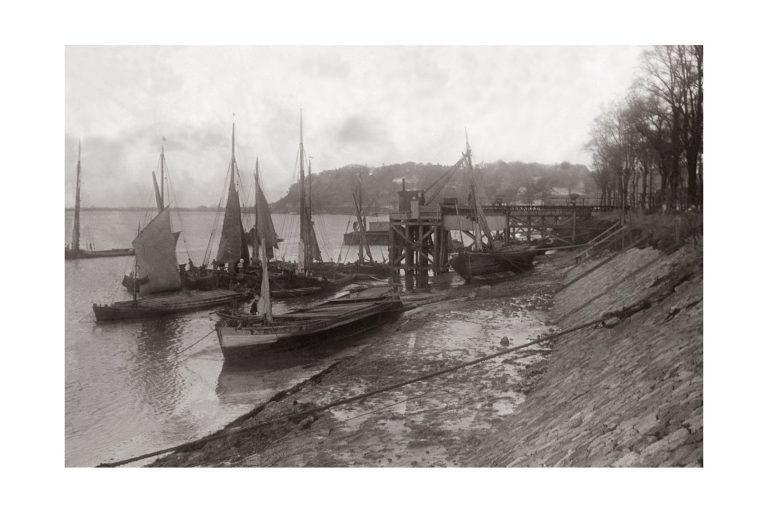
(417, 245)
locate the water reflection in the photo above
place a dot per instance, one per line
(156, 373)
(264, 376)
(133, 387)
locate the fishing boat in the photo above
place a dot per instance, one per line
(133, 282)
(365, 266)
(73, 251)
(161, 293)
(245, 336)
(365, 261)
(168, 304)
(470, 264)
(488, 257)
(317, 276)
(157, 279)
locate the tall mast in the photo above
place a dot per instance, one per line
(256, 235)
(304, 245)
(309, 187)
(481, 226)
(136, 269)
(357, 197)
(76, 224)
(232, 162)
(162, 175)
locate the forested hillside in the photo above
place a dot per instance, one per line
(513, 182)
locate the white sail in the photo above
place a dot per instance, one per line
(302, 266)
(155, 248)
(264, 305)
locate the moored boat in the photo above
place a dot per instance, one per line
(244, 337)
(487, 257)
(73, 251)
(156, 283)
(82, 254)
(469, 264)
(168, 304)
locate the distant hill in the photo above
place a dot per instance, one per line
(512, 182)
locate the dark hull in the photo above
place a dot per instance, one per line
(244, 355)
(167, 304)
(109, 253)
(341, 329)
(468, 264)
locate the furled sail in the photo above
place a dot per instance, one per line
(264, 227)
(155, 248)
(233, 244)
(310, 240)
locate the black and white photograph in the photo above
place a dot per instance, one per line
(398, 256)
(343, 255)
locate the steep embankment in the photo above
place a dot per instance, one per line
(625, 395)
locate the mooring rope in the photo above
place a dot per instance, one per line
(347, 400)
(198, 341)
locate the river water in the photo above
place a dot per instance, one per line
(139, 386)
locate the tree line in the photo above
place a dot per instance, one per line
(511, 182)
(647, 149)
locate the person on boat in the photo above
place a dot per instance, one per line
(255, 304)
(191, 265)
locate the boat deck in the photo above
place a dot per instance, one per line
(184, 298)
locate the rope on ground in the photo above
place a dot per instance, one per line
(343, 401)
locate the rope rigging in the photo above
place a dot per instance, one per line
(216, 218)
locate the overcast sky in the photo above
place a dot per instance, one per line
(362, 105)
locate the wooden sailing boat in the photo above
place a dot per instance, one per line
(309, 250)
(365, 264)
(245, 336)
(488, 258)
(310, 261)
(156, 276)
(133, 281)
(233, 244)
(73, 251)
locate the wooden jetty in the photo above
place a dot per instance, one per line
(376, 233)
(420, 233)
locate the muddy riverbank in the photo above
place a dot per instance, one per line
(626, 395)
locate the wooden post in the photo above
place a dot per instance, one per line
(408, 258)
(530, 226)
(420, 263)
(394, 250)
(573, 228)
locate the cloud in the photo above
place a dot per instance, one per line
(364, 105)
